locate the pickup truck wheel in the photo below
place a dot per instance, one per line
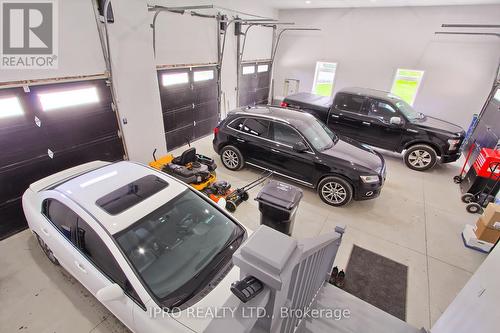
(335, 191)
(420, 157)
(232, 158)
(48, 252)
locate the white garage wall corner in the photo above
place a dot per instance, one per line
(369, 44)
(135, 80)
(80, 51)
(476, 306)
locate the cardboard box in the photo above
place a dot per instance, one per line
(485, 233)
(491, 216)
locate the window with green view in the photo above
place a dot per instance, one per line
(323, 78)
(406, 84)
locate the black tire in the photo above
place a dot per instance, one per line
(335, 191)
(468, 198)
(474, 208)
(245, 196)
(420, 157)
(230, 206)
(232, 158)
(46, 249)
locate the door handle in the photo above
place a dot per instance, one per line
(240, 140)
(275, 150)
(366, 123)
(411, 130)
(45, 232)
(335, 116)
(80, 267)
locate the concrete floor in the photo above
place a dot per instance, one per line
(416, 221)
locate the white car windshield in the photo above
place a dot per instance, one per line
(174, 247)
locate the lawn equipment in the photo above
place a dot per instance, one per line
(191, 168)
(222, 190)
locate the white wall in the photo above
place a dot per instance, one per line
(80, 51)
(475, 309)
(369, 44)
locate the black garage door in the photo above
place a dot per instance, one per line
(254, 83)
(189, 101)
(48, 129)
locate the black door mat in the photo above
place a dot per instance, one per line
(377, 280)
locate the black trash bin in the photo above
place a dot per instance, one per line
(278, 203)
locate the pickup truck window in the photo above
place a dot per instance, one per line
(381, 110)
(408, 111)
(350, 103)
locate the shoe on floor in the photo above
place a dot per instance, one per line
(333, 276)
(340, 280)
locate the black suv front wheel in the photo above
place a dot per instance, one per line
(232, 158)
(420, 157)
(335, 191)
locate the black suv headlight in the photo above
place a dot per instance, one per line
(369, 179)
(454, 144)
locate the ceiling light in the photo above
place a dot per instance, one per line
(9, 107)
(308, 2)
(67, 98)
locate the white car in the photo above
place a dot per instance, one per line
(142, 242)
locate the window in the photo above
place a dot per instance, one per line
(237, 124)
(286, 135)
(96, 251)
(131, 194)
(203, 75)
(257, 127)
(248, 70)
(62, 217)
(173, 79)
(176, 247)
(497, 95)
(349, 103)
(382, 110)
(318, 134)
(10, 107)
(324, 76)
(406, 84)
(262, 68)
(68, 98)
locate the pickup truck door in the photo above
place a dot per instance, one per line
(381, 132)
(347, 116)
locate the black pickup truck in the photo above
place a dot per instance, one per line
(383, 120)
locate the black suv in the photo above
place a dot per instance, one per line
(298, 146)
(383, 120)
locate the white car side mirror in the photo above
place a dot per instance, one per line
(109, 293)
(395, 121)
(221, 203)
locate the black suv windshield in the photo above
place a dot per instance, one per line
(318, 134)
(177, 247)
(408, 110)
